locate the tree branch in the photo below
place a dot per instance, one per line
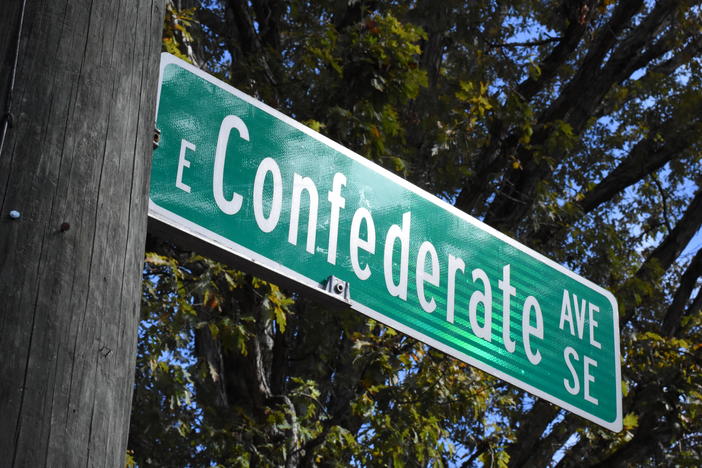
(645, 158)
(688, 282)
(663, 256)
(526, 44)
(531, 427)
(546, 448)
(488, 161)
(581, 96)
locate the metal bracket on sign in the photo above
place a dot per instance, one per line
(157, 137)
(338, 288)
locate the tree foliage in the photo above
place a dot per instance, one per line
(571, 125)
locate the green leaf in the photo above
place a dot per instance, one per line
(630, 421)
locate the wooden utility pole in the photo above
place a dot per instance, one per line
(77, 105)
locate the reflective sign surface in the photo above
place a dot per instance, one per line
(246, 179)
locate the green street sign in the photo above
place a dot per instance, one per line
(240, 180)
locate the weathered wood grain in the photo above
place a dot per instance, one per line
(75, 165)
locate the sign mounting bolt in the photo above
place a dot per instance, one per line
(14, 214)
(339, 288)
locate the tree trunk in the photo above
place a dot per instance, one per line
(74, 172)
